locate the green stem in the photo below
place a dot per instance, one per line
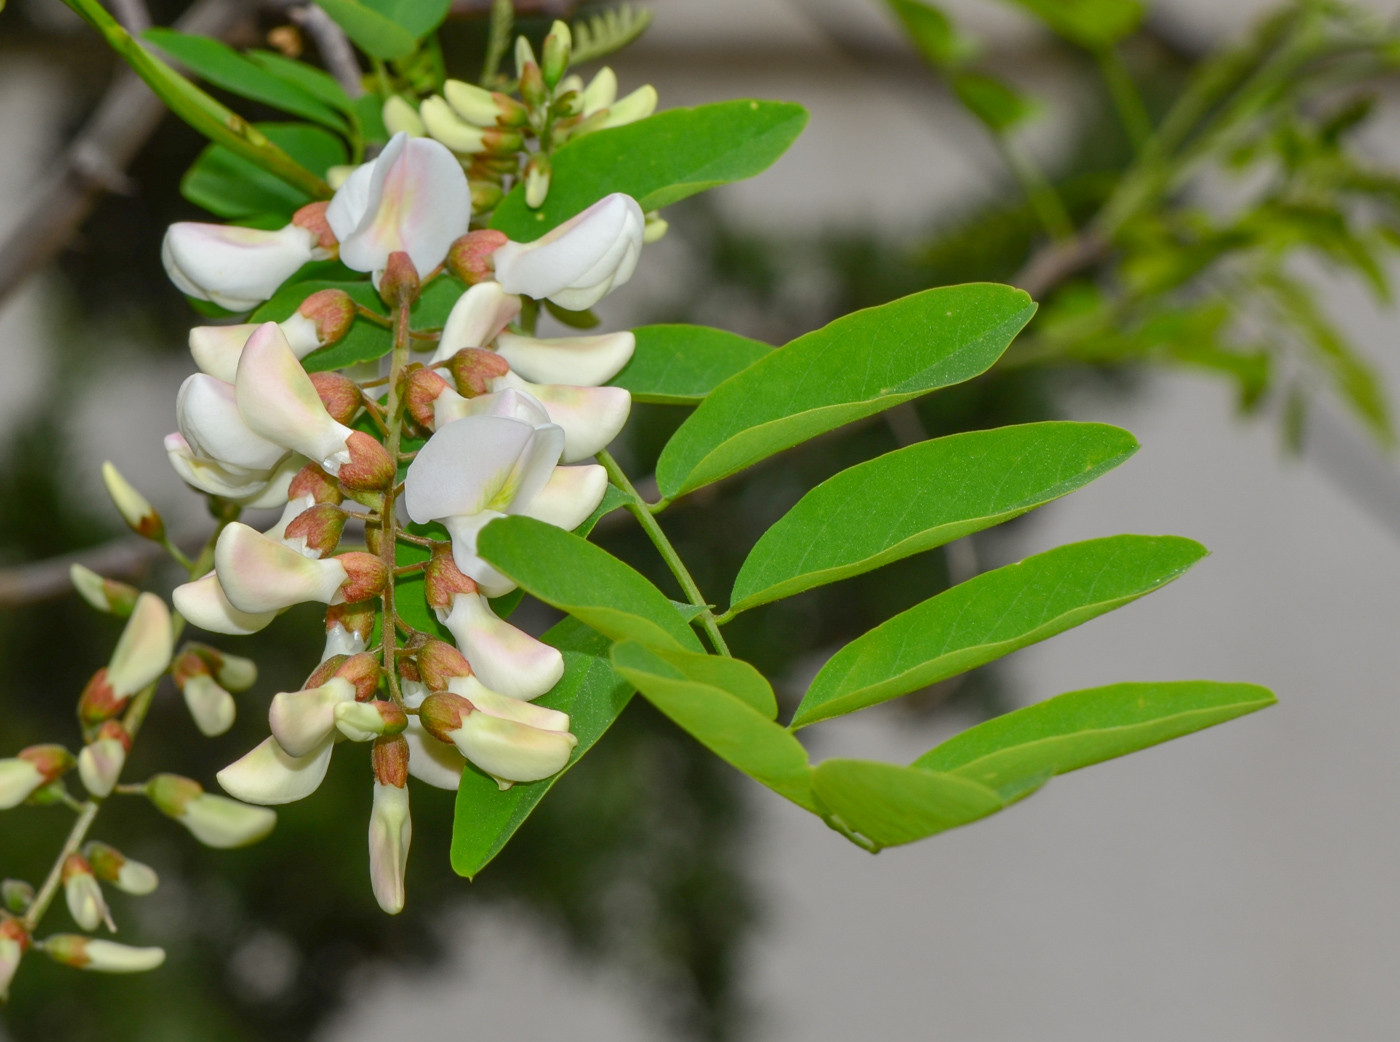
(388, 517)
(502, 21)
(639, 509)
(1126, 98)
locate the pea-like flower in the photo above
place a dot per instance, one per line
(321, 319)
(511, 740)
(390, 827)
(33, 768)
(142, 654)
(216, 821)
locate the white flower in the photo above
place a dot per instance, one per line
(21, 776)
(216, 821)
(234, 267)
(83, 894)
(413, 197)
(584, 361)
(431, 761)
(258, 574)
(144, 649)
(204, 603)
(322, 318)
(578, 263)
(511, 740)
(591, 417)
(506, 659)
(269, 775)
(474, 321)
(88, 953)
(390, 827)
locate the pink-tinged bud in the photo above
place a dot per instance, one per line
(399, 285)
(259, 574)
(367, 575)
(442, 580)
(510, 740)
(420, 391)
(14, 941)
(302, 720)
(370, 469)
(439, 662)
(365, 721)
(532, 88)
(349, 628)
(502, 657)
(106, 595)
(390, 827)
(213, 820)
(470, 256)
(317, 529)
(26, 773)
(138, 514)
(473, 369)
(312, 481)
(111, 866)
(233, 672)
(143, 653)
(339, 394)
(84, 896)
(100, 763)
(312, 217)
(269, 775)
(88, 953)
(16, 895)
(99, 702)
(332, 310)
(363, 672)
(324, 671)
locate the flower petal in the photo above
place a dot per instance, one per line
(571, 494)
(278, 401)
(506, 659)
(585, 361)
(579, 262)
(474, 321)
(390, 833)
(206, 410)
(204, 604)
(235, 267)
(259, 574)
(479, 463)
(591, 416)
(302, 720)
(268, 775)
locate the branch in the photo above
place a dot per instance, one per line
(129, 557)
(1058, 261)
(334, 46)
(97, 158)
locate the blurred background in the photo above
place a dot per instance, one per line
(1239, 883)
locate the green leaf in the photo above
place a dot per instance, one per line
(1093, 24)
(858, 365)
(607, 31)
(679, 365)
(920, 497)
(933, 33)
(432, 307)
(1081, 728)
(365, 341)
(372, 32)
(993, 615)
(219, 64)
(891, 805)
(731, 675)
(593, 695)
(727, 725)
(613, 499)
(419, 17)
(993, 101)
(233, 187)
(584, 319)
(319, 84)
(584, 580)
(657, 161)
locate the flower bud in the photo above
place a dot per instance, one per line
(312, 217)
(470, 256)
(84, 896)
(399, 285)
(367, 575)
(100, 763)
(269, 775)
(473, 369)
(88, 953)
(138, 514)
(442, 580)
(655, 228)
(144, 650)
(532, 88)
(312, 481)
(524, 55)
(401, 118)
(640, 104)
(390, 827)
(537, 175)
(233, 672)
(111, 866)
(554, 56)
(349, 628)
(600, 92)
(339, 394)
(302, 720)
(438, 662)
(321, 319)
(370, 469)
(363, 721)
(213, 820)
(486, 195)
(16, 895)
(420, 391)
(510, 740)
(444, 125)
(34, 767)
(316, 532)
(108, 595)
(14, 940)
(211, 706)
(474, 104)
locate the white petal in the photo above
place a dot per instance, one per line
(100, 764)
(293, 509)
(464, 529)
(144, 649)
(479, 463)
(204, 604)
(248, 487)
(219, 822)
(111, 957)
(506, 659)
(236, 268)
(474, 321)
(432, 762)
(18, 780)
(513, 751)
(302, 720)
(206, 410)
(275, 492)
(640, 104)
(259, 574)
(216, 348)
(278, 401)
(499, 705)
(591, 416)
(390, 833)
(212, 708)
(580, 261)
(585, 361)
(600, 92)
(340, 641)
(571, 495)
(268, 775)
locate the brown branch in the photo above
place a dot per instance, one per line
(127, 558)
(1054, 263)
(335, 49)
(97, 158)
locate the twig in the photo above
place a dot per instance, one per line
(335, 49)
(1053, 264)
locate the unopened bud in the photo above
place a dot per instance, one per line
(401, 117)
(14, 940)
(442, 580)
(442, 713)
(349, 628)
(654, 229)
(142, 654)
(486, 195)
(389, 758)
(324, 671)
(554, 55)
(420, 391)
(138, 514)
(532, 88)
(469, 257)
(511, 740)
(82, 893)
(473, 369)
(312, 217)
(370, 469)
(399, 285)
(446, 126)
(28, 772)
(211, 706)
(390, 827)
(318, 528)
(111, 866)
(16, 895)
(312, 481)
(233, 672)
(524, 55)
(537, 174)
(100, 762)
(637, 105)
(107, 595)
(99, 701)
(366, 574)
(88, 953)
(363, 671)
(215, 821)
(339, 394)
(438, 662)
(363, 721)
(474, 104)
(332, 311)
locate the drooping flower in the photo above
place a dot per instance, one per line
(413, 197)
(321, 319)
(511, 740)
(582, 260)
(216, 821)
(142, 654)
(33, 768)
(390, 826)
(260, 575)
